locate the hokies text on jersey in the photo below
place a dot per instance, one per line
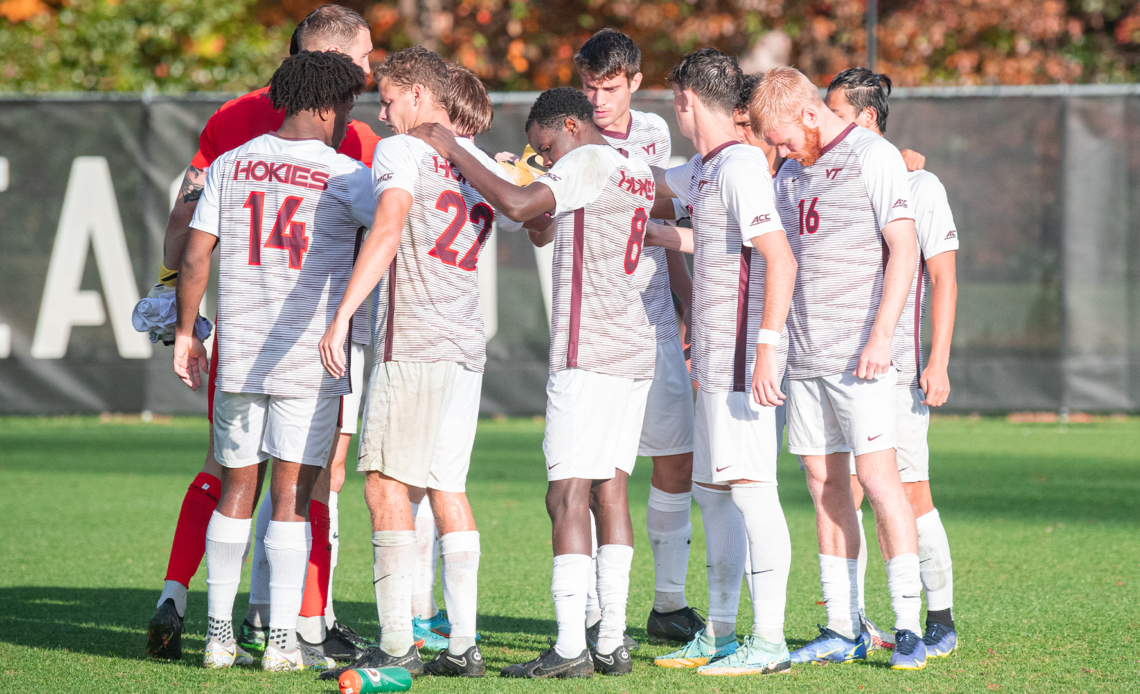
(290, 174)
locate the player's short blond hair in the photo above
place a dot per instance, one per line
(468, 106)
(780, 98)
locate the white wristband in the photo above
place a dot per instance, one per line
(767, 337)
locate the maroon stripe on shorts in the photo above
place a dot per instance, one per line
(576, 287)
(391, 310)
(740, 354)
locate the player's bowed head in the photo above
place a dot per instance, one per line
(788, 114)
(414, 86)
(559, 121)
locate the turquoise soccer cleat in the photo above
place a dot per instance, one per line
(700, 651)
(754, 657)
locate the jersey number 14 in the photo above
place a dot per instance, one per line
(286, 235)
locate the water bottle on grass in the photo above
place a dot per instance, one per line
(370, 680)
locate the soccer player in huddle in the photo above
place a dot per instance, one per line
(859, 96)
(422, 405)
(601, 364)
(276, 282)
(610, 66)
(327, 28)
(844, 199)
(743, 275)
(470, 112)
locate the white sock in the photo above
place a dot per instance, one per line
(670, 532)
(334, 542)
(461, 588)
(226, 542)
(568, 587)
(593, 605)
(427, 550)
(312, 629)
(725, 545)
(614, 562)
(173, 590)
(769, 556)
(258, 613)
(394, 557)
(837, 577)
(905, 587)
(862, 562)
(287, 549)
(934, 562)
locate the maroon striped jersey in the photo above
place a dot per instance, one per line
(728, 194)
(288, 215)
(833, 213)
(934, 223)
(598, 322)
(647, 137)
(427, 308)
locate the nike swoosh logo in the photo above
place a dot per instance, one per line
(723, 468)
(872, 438)
(754, 573)
(824, 655)
(380, 579)
(683, 629)
(551, 467)
(607, 660)
(462, 662)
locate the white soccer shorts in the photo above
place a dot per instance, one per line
(419, 423)
(912, 452)
(735, 439)
(251, 427)
(593, 424)
(350, 404)
(668, 427)
(842, 414)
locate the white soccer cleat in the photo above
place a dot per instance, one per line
(223, 655)
(300, 658)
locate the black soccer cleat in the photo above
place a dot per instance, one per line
(616, 663)
(592, 638)
(335, 646)
(550, 665)
(470, 664)
(164, 633)
(348, 635)
(376, 658)
(680, 625)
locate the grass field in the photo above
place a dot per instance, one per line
(1044, 522)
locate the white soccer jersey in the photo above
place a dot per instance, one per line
(598, 321)
(934, 223)
(729, 197)
(647, 138)
(427, 309)
(833, 213)
(288, 215)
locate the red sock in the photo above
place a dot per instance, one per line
(320, 559)
(190, 534)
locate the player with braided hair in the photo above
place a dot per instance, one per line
(602, 354)
(275, 280)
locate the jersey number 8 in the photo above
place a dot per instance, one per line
(481, 213)
(633, 246)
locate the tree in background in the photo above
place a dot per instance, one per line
(177, 45)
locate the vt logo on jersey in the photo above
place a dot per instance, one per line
(702, 184)
(444, 167)
(761, 219)
(637, 186)
(832, 173)
(650, 148)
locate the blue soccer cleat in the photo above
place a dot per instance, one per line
(434, 631)
(830, 647)
(754, 657)
(910, 651)
(940, 640)
(696, 653)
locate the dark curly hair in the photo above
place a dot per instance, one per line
(315, 80)
(554, 106)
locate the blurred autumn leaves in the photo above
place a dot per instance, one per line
(232, 45)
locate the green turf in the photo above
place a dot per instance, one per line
(1043, 521)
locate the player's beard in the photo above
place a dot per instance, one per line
(813, 147)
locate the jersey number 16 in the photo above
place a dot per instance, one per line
(809, 221)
